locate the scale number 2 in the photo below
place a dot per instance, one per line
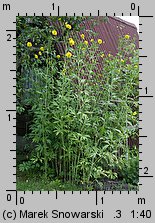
(8, 37)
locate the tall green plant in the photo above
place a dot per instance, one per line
(83, 117)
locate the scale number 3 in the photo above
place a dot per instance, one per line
(119, 214)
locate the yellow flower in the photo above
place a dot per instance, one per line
(36, 56)
(68, 54)
(99, 41)
(122, 60)
(82, 36)
(58, 56)
(71, 42)
(68, 26)
(86, 42)
(102, 55)
(134, 113)
(40, 53)
(127, 37)
(109, 55)
(92, 40)
(54, 32)
(64, 71)
(42, 48)
(29, 44)
(100, 75)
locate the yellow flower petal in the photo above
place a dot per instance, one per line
(42, 48)
(29, 44)
(99, 41)
(127, 37)
(54, 32)
(68, 26)
(134, 113)
(86, 42)
(36, 56)
(82, 36)
(68, 54)
(71, 42)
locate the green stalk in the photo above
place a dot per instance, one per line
(62, 129)
(45, 117)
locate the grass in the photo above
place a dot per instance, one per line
(35, 182)
(32, 182)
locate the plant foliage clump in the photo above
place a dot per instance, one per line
(83, 116)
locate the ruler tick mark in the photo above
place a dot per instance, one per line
(58, 10)
(96, 197)
(10, 30)
(146, 16)
(145, 176)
